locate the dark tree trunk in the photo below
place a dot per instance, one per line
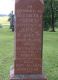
(52, 17)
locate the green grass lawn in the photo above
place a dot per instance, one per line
(6, 52)
(50, 53)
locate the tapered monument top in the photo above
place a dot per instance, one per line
(36, 4)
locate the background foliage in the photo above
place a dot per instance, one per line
(51, 8)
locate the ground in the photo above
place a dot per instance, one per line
(50, 53)
(6, 52)
(4, 20)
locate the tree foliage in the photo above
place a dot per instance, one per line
(50, 14)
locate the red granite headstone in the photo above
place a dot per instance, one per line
(29, 38)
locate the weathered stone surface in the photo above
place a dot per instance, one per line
(26, 76)
(28, 36)
(29, 40)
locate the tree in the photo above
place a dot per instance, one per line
(49, 15)
(52, 16)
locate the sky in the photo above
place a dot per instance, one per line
(6, 6)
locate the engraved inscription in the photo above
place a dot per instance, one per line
(28, 38)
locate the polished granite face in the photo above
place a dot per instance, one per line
(28, 36)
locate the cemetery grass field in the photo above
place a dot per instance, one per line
(50, 53)
(4, 20)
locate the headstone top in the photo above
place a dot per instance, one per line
(27, 4)
(42, 1)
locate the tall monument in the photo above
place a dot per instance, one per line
(28, 40)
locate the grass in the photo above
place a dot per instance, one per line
(6, 52)
(50, 53)
(4, 20)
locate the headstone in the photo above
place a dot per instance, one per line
(29, 41)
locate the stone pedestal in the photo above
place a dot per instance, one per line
(29, 41)
(14, 76)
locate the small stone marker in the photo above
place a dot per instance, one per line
(29, 41)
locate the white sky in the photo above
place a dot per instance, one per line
(6, 6)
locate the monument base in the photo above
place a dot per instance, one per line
(26, 76)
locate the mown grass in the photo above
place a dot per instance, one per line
(6, 52)
(50, 53)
